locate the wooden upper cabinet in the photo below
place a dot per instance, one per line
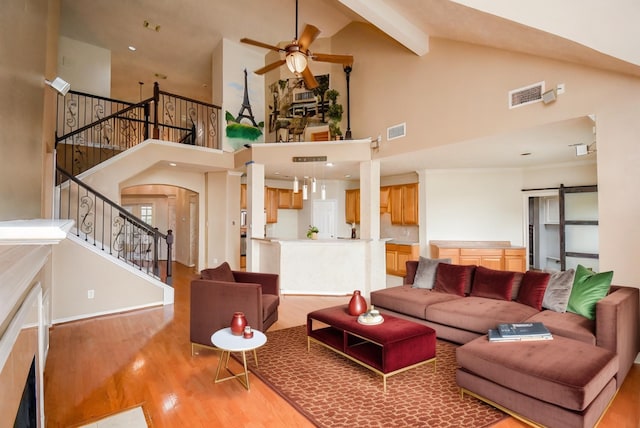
(287, 199)
(284, 198)
(296, 200)
(404, 204)
(385, 198)
(352, 206)
(271, 204)
(243, 196)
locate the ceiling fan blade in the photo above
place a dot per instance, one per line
(261, 45)
(338, 59)
(270, 67)
(309, 81)
(309, 34)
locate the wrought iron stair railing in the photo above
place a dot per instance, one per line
(91, 129)
(112, 229)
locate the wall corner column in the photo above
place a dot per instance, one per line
(256, 218)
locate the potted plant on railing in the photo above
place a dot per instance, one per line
(312, 232)
(334, 112)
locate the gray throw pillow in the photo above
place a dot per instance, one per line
(426, 272)
(556, 296)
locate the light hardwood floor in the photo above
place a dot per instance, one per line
(101, 366)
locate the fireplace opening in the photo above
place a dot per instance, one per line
(27, 411)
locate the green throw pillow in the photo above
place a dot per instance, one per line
(588, 288)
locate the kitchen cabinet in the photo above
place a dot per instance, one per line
(397, 255)
(352, 206)
(243, 196)
(404, 204)
(515, 259)
(498, 255)
(288, 199)
(385, 198)
(491, 258)
(271, 204)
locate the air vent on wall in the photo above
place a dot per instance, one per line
(396, 131)
(526, 95)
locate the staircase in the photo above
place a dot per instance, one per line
(93, 129)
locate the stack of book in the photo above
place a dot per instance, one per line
(516, 332)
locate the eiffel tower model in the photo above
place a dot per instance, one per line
(246, 105)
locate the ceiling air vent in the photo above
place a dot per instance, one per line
(526, 95)
(396, 131)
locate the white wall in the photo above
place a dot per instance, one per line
(474, 205)
(86, 67)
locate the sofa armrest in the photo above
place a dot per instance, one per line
(270, 281)
(214, 302)
(617, 326)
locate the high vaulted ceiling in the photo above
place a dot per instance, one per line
(178, 38)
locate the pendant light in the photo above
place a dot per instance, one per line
(313, 185)
(296, 188)
(304, 191)
(323, 192)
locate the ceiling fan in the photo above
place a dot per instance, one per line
(297, 54)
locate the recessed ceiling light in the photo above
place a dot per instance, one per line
(276, 173)
(132, 48)
(329, 164)
(173, 164)
(347, 176)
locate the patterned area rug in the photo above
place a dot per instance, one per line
(333, 391)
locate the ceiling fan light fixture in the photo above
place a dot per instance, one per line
(297, 62)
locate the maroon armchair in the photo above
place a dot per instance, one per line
(220, 292)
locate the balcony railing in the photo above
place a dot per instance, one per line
(91, 129)
(112, 229)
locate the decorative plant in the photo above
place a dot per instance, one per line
(311, 231)
(334, 112)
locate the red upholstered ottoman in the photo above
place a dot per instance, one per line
(555, 383)
(394, 346)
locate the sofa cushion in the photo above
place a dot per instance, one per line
(478, 314)
(491, 283)
(556, 296)
(407, 300)
(220, 273)
(567, 324)
(532, 288)
(517, 281)
(426, 272)
(453, 279)
(564, 372)
(588, 288)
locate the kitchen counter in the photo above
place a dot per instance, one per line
(323, 266)
(473, 244)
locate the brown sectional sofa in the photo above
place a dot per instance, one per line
(547, 387)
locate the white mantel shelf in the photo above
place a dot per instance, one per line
(33, 232)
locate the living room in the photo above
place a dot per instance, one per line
(457, 83)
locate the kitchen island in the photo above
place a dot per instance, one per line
(324, 266)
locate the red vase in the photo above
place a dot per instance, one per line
(357, 304)
(238, 322)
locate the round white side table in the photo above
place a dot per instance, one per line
(228, 343)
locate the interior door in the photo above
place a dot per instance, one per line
(324, 216)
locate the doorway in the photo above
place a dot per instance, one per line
(323, 216)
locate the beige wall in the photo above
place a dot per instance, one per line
(22, 92)
(77, 269)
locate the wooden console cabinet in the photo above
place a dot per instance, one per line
(397, 256)
(499, 255)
